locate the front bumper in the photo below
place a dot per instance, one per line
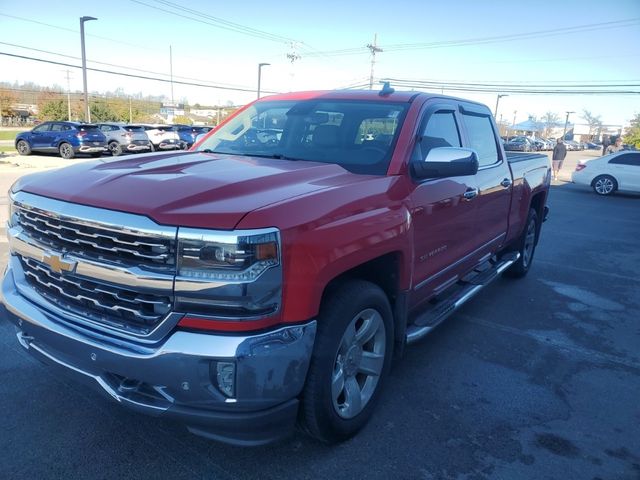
(176, 378)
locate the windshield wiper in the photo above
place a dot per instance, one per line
(278, 156)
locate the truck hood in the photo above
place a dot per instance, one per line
(192, 189)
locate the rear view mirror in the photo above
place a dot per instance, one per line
(447, 162)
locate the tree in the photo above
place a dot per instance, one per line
(53, 110)
(182, 119)
(594, 122)
(632, 134)
(550, 119)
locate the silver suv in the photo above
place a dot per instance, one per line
(162, 137)
(125, 138)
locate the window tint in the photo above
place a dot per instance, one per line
(57, 127)
(481, 138)
(42, 128)
(627, 159)
(441, 131)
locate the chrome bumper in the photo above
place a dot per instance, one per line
(176, 378)
(136, 148)
(91, 148)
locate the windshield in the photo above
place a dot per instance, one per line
(358, 135)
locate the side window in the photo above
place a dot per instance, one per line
(481, 138)
(42, 128)
(441, 130)
(627, 159)
(57, 127)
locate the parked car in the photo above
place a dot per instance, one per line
(162, 137)
(593, 146)
(189, 133)
(125, 138)
(519, 144)
(264, 281)
(65, 138)
(606, 175)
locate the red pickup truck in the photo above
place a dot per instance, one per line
(269, 275)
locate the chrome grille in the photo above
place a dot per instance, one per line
(106, 304)
(94, 240)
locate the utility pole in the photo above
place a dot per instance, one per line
(171, 73)
(260, 65)
(495, 114)
(566, 121)
(68, 94)
(87, 112)
(373, 48)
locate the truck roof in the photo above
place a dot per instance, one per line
(396, 96)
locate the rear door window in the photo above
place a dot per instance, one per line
(627, 159)
(482, 138)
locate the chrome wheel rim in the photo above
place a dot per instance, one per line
(604, 186)
(529, 243)
(114, 149)
(22, 147)
(66, 150)
(358, 364)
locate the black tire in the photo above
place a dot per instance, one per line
(66, 151)
(332, 418)
(152, 147)
(604, 185)
(525, 246)
(23, 147)
(115, 148)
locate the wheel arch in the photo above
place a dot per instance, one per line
(383, 271)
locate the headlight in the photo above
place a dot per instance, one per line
(229, 274)
(240, 257)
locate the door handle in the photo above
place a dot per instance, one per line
(506, 183)
(470, 194)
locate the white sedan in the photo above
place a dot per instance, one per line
(616, 172)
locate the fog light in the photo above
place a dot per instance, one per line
(226, 378)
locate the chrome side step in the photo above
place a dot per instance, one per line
(429, 320)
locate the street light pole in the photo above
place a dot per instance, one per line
(566, 121)
(260, 65)
(495, 114)
(87, 113)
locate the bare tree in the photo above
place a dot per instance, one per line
(594, 122)
(549, 119)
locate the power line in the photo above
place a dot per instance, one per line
(214, 21)
(130, 75)
(77, 32)
(492, 39)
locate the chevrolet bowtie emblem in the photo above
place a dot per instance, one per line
(59, 264)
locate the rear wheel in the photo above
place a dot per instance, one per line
(115, 149)
(351, 359)
(66, 151)
(526, 247)
(23, 147)
(604, 185)
(152, 148)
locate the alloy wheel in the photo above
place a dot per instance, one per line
(358, 364)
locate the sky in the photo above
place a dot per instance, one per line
(579, 42)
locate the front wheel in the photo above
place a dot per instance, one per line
(604, 185)
(23, 147)
(525, 246)
(66, 151)
(351, 359)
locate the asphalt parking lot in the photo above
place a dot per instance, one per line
(533, 379)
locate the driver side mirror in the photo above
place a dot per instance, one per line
(446, 162)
